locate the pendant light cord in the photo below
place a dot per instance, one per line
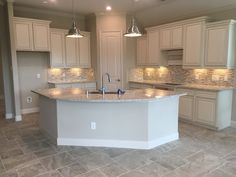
(73, 10)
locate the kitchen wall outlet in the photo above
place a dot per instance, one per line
(93, 125)
(215, 78)
(38, 76)
(29, 99)
(226, 78)
(197, 77)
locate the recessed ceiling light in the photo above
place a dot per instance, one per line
(45, 2)
(108, 8)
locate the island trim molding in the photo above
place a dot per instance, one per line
(118, 143)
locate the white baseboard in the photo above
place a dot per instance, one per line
(117, 143)
(9, 116)
(29, 110)
(18, 118)
(233, 124)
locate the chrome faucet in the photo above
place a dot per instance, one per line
(103, 89)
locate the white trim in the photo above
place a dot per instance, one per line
(118, 143)
(9, 116)
(29, 110)
(18, 118)
(233, 124)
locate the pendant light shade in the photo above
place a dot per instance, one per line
(133, 30)
(74, 32)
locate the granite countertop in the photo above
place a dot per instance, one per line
(72, 82)
(79, 95)
(186, 86)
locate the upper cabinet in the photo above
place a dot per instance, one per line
(142, 50)
(69, 52)
(220, 44)
(154, 55)
(171, 38)
(31, 34)
(193, 42)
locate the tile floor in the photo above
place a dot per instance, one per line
(25, 152)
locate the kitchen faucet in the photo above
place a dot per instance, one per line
(103, 89)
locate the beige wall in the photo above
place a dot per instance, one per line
(29, 65)
(59, 20)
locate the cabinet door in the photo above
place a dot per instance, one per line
(193, 44)
(71, 52)
(216, 46)
(205, 110)
(165, 39)
(84, 51)
(41, 37)
(141, 51)
(154, 53)
(177, 37)
(57, 49)
(186, 107)
(23, 36)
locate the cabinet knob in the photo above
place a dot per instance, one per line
(118, 80)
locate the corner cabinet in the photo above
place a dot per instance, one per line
(220, 44)
(69, 52)
(194, 43)
(208, 108)
(31, 34)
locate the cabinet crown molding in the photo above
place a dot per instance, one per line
(222, 22)
(179, 23)
(31, 20)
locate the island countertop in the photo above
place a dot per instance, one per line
(79, 95)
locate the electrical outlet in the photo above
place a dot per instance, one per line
(226, 78)
(93, 125)
(215, 78)
(197, 77)
(38, 76)
(29, 99)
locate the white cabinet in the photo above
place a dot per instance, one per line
(171, 38)
(31, 34)
(211, 109)
(205, 110)
(57, 55)
(193, 42)
(220, 44)
(84, 51)
(154, 53)
(142, 50)
(69, 52)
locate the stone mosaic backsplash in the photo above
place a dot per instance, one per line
(70, 74)
(218, 77)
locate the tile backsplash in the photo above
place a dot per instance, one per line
(219, 77)
(70, 74)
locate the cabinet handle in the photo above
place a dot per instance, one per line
(118, 80)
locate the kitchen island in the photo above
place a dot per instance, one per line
(139, 119)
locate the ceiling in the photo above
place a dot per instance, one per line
(148, 12)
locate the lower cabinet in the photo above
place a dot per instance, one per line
(186, 107)
(86, 86)
(211, 109)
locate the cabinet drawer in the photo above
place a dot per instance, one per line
(204, 94)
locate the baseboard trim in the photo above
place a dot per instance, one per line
(9, 116)
(233, 124)
(117, 143)
(30, 110)
(18, 118)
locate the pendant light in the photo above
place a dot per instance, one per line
(133, 30)
(74, 32)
